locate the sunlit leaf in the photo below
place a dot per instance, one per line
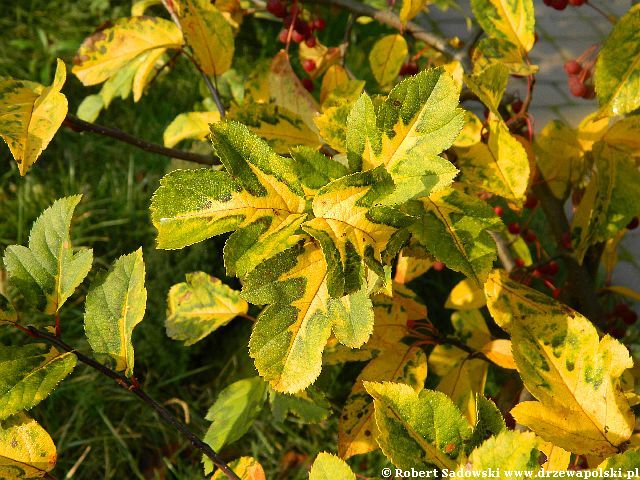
(47, 272)
(247, 468)
(26, 449)
(190, 125)
(386, 58)
(30, 115)
(112, 47)
(571, 372)
(309, 406)
(29, 374)
(508, 20)
(329, 467)
(466, 295)
(509, 450)
(115, 304)
(489, 85)
(410, 9)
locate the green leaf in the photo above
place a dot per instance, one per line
(115, 304)
(109, 49)
(617, 72)
(29, 374)
(200, 306)
(30, 115)
(489, 421)
(332, 125)
(418, 430)
(610, 201)
(309, 406)
(291, 333)
(208, 33)
(489, 85)
(417, 121)
(455, 227)
(509, 450)
(233, 413)
(316, 169)
(357, 430)
(26, 449)
(386, 58)
(48, 272)
(351, 229)
(259, 196)
(628, 462)
(329, 467)
(90, 108)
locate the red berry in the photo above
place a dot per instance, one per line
(308, 65)
(556, 292)
(633, 224)
(411, 324)
(550, 268)
(498, 210)
(577, 3)
(319, 24)
(438, 266)
(559, 4)
(297, 36)
(308, 84)
(531, 202)
(537, 273)
(620, 310)
(590, 94)
(282, 36)
(566, 241)
(311, 42)
(519, 262)
(409, 68)
(514, 228)
(572, 67)
(577, 87)
(530, 236)
(630, 317)
(517, 105)
(276, 8)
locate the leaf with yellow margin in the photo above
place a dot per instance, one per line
(291, 333)
(508, 451)
(30, 115)
(111, 48)
(26, 449)
(507, 20)
(357, 431)
(573, 374)
(489, 86)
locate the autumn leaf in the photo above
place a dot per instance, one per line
(329, 467)
(30, 115)
(247, 468)
(189, 125)
(26, 449)
(386, 58)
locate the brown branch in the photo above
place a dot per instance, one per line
(77, 125)
(392, 20)
(580, 285)
(132, 387)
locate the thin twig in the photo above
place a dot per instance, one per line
(126, 384)
(207, 81)
(77, 125)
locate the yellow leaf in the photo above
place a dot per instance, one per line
(146, 68)
(557, 458)
(499, 352)
(409, 268)
(626, 291)
(141, 6)
(26, 449)
(209, 35)
(466, 295)
(512, 21)
(247, 468)
(591, 129)
(500, 166)
(190, 125)
(335, 75)
(108, 50)
(574, 376)
(625, 134)
(30, 115)
(386, 58)
(471, 131)
(357, 430)
(324, 57)
(410, 9)
(287, 91)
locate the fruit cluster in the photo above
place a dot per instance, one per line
(619, 319)
(562, 4)
(577, 76)
(292, 21)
